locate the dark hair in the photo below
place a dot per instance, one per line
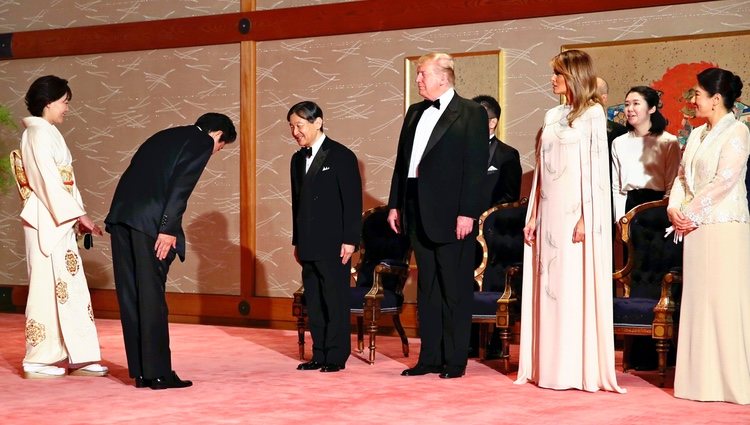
(490, 104)
(717, 80)
(307, 110)
(45, 90)
(653, 99)
(213, 121)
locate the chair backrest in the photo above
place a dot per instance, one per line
(19, 174)
(380, 243)
(501, 232)
(650, 254)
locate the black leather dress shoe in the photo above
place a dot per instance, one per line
(311, 365)
(332, 368)
(419, 370)
(141, 382)
(452, 372)
(171, 381)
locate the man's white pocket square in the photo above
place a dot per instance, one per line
(326, 168)
(492, 168)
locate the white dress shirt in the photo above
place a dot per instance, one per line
(315, 148)
(642, 163)
(426, 124)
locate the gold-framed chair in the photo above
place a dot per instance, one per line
(498, 276)
(379, 278)
(644, 303)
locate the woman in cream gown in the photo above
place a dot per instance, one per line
(567, 337)
(708, 207)
(59, 318)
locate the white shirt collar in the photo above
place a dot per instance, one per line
(316, 145)
(446, 98)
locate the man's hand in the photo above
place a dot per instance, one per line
(394, 220)
(346, 252)
(164, 243)
(464, 225)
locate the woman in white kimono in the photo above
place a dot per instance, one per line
(567, 338)
(59, 318)
(646, 158)
(708, 207)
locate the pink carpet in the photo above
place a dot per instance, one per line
(248, 376)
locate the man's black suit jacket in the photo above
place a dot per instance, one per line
(153, 192)
(326, 202)
(503, 182)
(451, 170)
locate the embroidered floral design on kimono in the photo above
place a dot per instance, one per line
(66, 173)
(91, 313)
(71, 262)
(61, 291)
(35, 332)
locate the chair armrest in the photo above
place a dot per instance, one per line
(390, 267)
(509, 292)
(666, 302)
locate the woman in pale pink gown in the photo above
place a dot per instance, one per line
(567, 338)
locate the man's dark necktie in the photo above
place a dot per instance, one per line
(307, 150)
(435, 103)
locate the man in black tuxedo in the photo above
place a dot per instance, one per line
(326, 214)
(436, 198)
(501, 184)
(503, 180)
(145, 223)
(614, 129)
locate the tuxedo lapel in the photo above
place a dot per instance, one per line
(412, 121)
(299, 172)
(317, 163)
(493, 147)
(446, 120)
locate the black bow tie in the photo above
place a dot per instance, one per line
(435, 103)
(307, 150)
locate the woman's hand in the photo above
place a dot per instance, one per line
(529, 231)
(578, 231)
(680, 222)
(86, 225)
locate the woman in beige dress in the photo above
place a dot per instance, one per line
(59, 318)
(708, 207)
(567, 338)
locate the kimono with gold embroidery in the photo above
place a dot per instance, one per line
(59, 317)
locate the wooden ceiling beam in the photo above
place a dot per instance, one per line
(280, 24)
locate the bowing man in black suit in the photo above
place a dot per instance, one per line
(326, 213)
(145, 223)
(436, 198)
(503, 180)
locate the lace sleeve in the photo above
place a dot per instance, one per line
(732, 160)
(677, 193)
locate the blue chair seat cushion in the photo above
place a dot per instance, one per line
(390, 302)
(634, 311)
(485, 304)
